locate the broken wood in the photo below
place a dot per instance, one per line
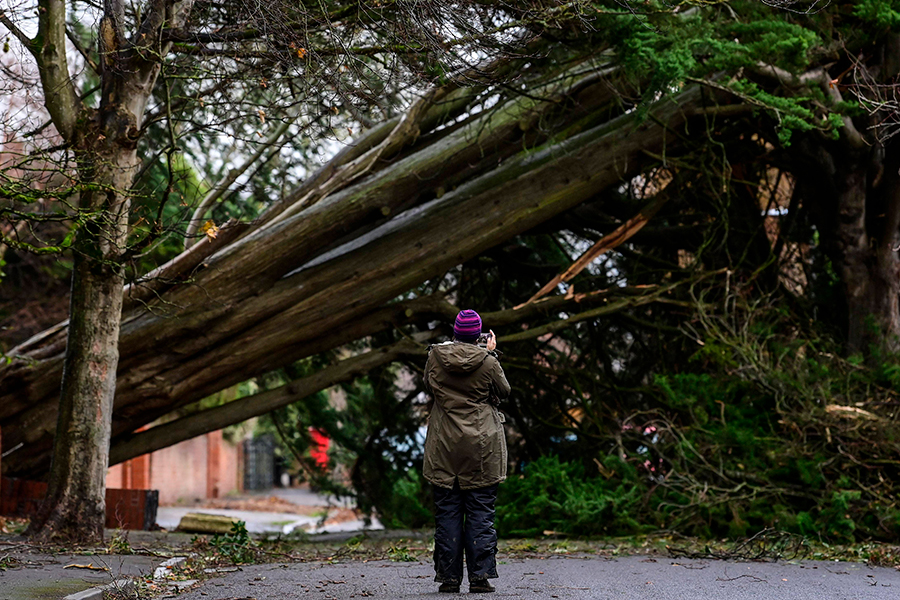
(603, 245)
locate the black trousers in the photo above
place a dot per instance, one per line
(464, 523)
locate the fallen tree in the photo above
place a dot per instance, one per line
(368, 250)
(426, 196)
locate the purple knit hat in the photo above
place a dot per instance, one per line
(468, 326)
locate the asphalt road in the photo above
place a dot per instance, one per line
(565, 577)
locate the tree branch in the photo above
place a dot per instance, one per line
(60, 97)
(222, 186)
(652, 294)
(81, 50)
(240, 410)
(819, 77)
(18, 33)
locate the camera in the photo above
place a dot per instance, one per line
(483, 339)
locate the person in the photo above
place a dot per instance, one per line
(465, 453)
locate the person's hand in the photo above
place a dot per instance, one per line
(492, 341)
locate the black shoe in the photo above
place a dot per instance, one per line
(449, 588)
(480, 586)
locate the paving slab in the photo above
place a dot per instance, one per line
(572, 577)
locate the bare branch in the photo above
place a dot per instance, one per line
(81, 50)
(17, 33)
(60, 96)
(221, 187)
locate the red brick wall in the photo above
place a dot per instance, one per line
(204, 467)
(114, 476)
(179, 472)
(231, 469)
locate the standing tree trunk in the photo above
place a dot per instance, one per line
(861, 187)
(871, 270)
(74, 506)
(104, 142)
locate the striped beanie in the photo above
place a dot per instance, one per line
(468, 326)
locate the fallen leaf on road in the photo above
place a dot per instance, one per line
(89, 566)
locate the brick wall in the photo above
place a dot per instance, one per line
(204, 467)
(231, 469)
(179, 472)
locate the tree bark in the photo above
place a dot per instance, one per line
(867, 232)
(75, 504)
(74, 508)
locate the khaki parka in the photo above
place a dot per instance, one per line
(465, 438)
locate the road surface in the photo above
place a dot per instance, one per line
(582, 577)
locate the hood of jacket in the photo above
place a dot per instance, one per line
(459, 357)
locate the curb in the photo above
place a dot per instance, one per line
(125, 586)
(97, 593)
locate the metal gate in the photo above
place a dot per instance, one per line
(259, 463)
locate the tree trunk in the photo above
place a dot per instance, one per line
(74, 506)
(864, 190)
(287, 289)
(104, 142)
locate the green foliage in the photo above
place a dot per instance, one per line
(235, 546)
(744, 436)
(163, 203)
(837, 519)
(883, 14)
(775, 437)
(119, 544)
(408, 505)
(777, 40)
(400, 554)
(558, 496)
